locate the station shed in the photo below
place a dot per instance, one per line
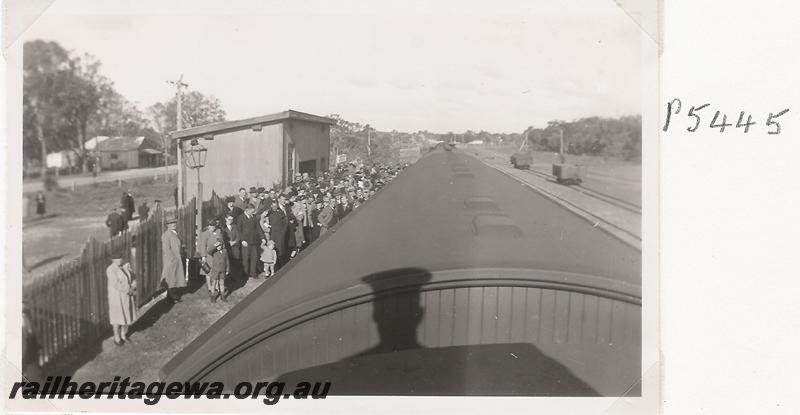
(263, 151)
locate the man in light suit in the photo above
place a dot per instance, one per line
(172, 272)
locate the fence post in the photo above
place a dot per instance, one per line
(90, 257)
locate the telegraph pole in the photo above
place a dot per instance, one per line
(369, 145)
(179, 85)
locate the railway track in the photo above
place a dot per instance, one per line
(622, 204)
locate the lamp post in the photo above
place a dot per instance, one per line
(195, 158)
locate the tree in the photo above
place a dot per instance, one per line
(46, 67)
(79, 100)
(197, 109)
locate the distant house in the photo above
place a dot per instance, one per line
(118, 153)
(61, 160)
(91, 144)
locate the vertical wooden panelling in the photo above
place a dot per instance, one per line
(603, 321)
(489, 314)
(575, 317)
(347, 316)
(533, 314)
(446, 317)
(561, 320)
(474, 315)
(589, 319)
(547, 317)
(618, 322)
(363, 322)
(461, 316)
(633, 324)
(504, 312)
(518, 312)
(430, 304)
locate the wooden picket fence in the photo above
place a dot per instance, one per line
(68, 306)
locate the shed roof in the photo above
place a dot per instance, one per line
(228, 126)
(120, 144)
(91, 143)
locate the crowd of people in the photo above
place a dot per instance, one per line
(259, 231)
(262, 229)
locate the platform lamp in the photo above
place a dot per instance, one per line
(195, 157)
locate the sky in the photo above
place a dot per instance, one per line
(449, 66)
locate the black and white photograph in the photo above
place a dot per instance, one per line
(286, 201)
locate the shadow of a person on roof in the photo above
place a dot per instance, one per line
(397, 311)
(401, 364)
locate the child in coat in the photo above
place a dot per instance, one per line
(220, 267)
(268, 257)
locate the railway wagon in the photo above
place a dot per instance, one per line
(442, 284)
(521, 160)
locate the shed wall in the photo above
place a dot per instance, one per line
(237, 159)
(125, 159)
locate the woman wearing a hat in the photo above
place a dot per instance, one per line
(121, 293)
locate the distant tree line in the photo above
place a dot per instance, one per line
(609, 137)
(67, 101)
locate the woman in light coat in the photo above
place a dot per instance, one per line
(121, 298)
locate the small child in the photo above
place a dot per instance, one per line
(220, 267)
(268, 257)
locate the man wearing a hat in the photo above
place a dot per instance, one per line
(279, 218)
(116, 222)
(242, 200)
(251, 235)
(172, 273)
(263, 203)
(208, 238)
(127, 203)
(219, 268)
(313, 227)
(327, 216)
(254, 200)
(230, 209)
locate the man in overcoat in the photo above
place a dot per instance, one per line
(327, 216)
(116, 223)
(279, 218)
(251, 235)
(207, 240)
(127, 203)
(231, 239)
(172, 273)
